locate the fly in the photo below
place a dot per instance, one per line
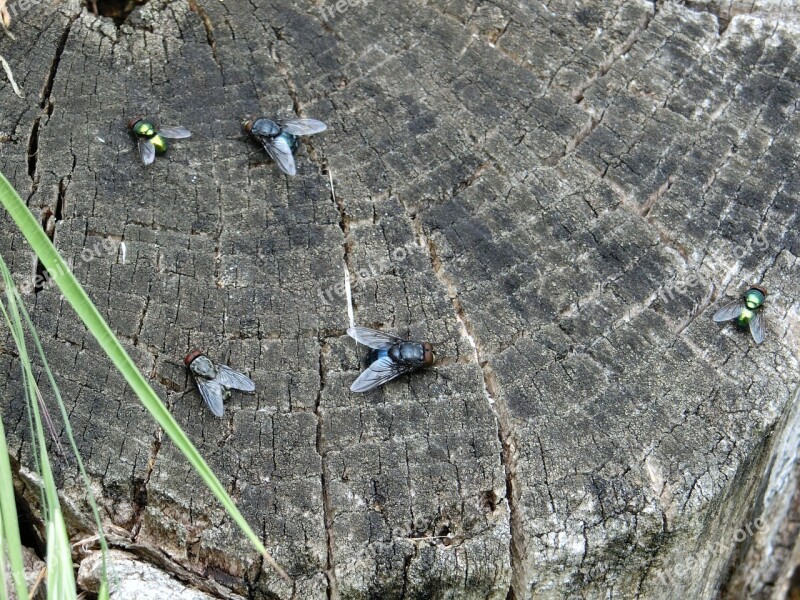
(280, 140)
(214, 381)
(152, 141)
(389, 357)
(746, 311)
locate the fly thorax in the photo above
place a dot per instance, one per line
(754, 299)
(203, 366)
(266, 128)
(144, 128)
(411, 352)
(395, 353)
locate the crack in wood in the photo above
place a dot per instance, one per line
(209, 27)
(327, 506)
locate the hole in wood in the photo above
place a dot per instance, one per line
(116, 10)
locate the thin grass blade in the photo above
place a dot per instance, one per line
(10, 543)
(60, 576)
(9, 521)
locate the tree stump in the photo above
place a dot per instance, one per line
(558, 195)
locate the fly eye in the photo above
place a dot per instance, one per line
(428, 356)
(191, 356)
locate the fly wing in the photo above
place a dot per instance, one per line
(174, 133)
(146, 150)
(757, 326)
(729, 311)
(279, 151)
(304, 126)
(379, 372)
(374, 339)
(212, 392)
(235, 380)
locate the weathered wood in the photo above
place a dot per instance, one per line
(559, 196)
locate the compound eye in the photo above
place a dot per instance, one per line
(428, 355)
(191, 356)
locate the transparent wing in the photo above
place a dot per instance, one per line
(146, 150)
(304, 126)
(174, 133)
(757, 326)
(374, 339)
(729, 311)
(279, 151)
(378, 373)
(235, 380)
(212, 392)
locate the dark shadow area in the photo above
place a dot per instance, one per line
(117, 10)
(794, 585)
(30, 527)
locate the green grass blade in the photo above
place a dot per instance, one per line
(3, 575)
(60, 574)
(68, 430)
(102, 594)
(77, 297)
(9, 525)
(8, 505)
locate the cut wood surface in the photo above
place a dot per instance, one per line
(557, 195)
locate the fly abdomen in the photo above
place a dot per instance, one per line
(159, 143)
(743, 320)
(375, 355)
(291, 140)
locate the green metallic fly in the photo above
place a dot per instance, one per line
(747, 311)
(152, 140)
